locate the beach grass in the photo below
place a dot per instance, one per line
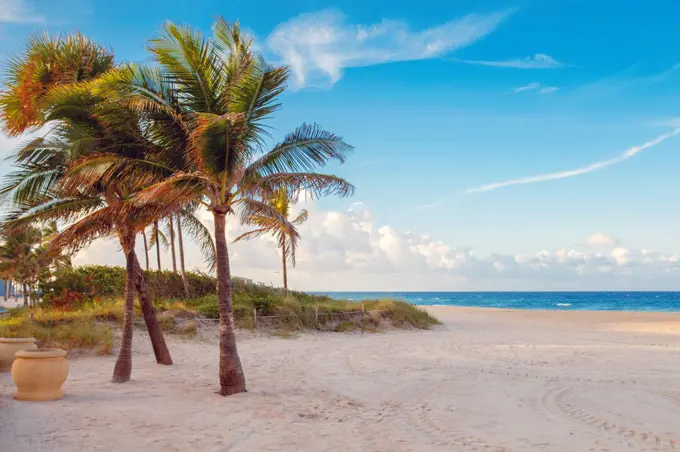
(93, 325)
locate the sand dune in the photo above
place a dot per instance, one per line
(489, 380)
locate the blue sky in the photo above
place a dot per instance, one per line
(440, 99)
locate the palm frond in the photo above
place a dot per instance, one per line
(98, 224)
(201, 236)
(301, 218)
(64, 209)
(192, 63)
(252, 234)
(312, 184)
(252, 211)
(173, 193)
(162, 238)
(303, 150)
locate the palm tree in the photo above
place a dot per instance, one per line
(18, 254)
(35, 188)
(280, 200)
(207, 103)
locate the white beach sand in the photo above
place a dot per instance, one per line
(489, 380)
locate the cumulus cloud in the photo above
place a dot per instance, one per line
(600, 239)
(350, 251)
(538, 61)
(319, 46)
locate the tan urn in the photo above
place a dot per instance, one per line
(9, 346)
(39, 374)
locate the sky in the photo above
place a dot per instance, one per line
(499, 145)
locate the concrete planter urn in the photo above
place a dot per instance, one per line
(39, 374)
(9, 346)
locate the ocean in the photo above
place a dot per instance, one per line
(568, 301)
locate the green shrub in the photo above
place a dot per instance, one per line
(94, 281)
(209, 310)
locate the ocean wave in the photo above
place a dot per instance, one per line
(563, 304)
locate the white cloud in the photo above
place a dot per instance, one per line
(600, 239)
(538, 61)
(578, 171)
(530, 87)
(351, 251)
(548, 90)
(536, 87)
(18, 12)
(319, 46)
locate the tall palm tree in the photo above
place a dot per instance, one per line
(50, 64)
(207, 103)
(280, 200)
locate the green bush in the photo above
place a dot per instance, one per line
(95, 281)
(209, 310)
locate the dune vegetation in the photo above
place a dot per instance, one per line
(87, 317)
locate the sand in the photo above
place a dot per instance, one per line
(488, 380)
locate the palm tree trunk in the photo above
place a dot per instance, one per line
(180, 243)
(158, 245)
(172, 245)
(146, 250)
(25, 294)
(123, 368)
(285, 274)
(160, 348)
(6, 289)
(232, 380)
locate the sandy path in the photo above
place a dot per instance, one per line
(489, 380)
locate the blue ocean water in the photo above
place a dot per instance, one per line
(590, 301)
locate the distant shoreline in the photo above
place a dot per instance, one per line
(638, 301)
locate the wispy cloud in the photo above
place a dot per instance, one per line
(530, 87)
(431, 205)
(319, 46)
(628, 79)
(578, 171)
(538, 61)
(17, 12)
(536, 87)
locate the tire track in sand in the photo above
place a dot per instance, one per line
(563, 399)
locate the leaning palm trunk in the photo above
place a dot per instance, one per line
(285, 274)
(6, 289)
(232, 380)
(172, 245)
(25, 287)
(160, 348)
(180, 242)
(146, 250)
(123, 368)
